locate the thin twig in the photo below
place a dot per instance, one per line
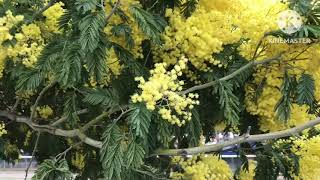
(113, 10)
(248, 132)
(33, 155)
(232, 75)
(64, 118)
(43, 9)
(34, 107)
(16, 104)
(64, 153)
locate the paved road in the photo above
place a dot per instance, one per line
(16, 174)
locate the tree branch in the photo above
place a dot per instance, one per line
(242, 139)
(232, 75)
(169, 152)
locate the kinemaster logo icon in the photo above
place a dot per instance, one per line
(290, 21)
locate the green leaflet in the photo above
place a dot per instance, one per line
(229, 102)
(104, 97)
(305, 90)
(52, 169)
(84, 6)
(139, 119)
(283, 107)
(193, 129)
(134, 155)
(111, 153)
(91, 27)
(150, 25)
(124, 30)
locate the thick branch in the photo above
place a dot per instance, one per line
(232, 75)
(242, 139)
(169, 152)
(53, 130)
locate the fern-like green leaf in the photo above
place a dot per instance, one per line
(193, 129)
(123, 30)
(71, 67)
(150, 25)
(139, 119)
(91, 27)
(30, 80)
(64, 20)
(104, 97)
(84, 6)
(242, 77)
(134, 155)
(96, 61)
(127, 58)
(305, 90)
(229, 102)
(111, 153)
(283, 107)
(52, 169)
(69, 109)
(164, 132)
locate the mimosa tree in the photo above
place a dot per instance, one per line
(126, 89)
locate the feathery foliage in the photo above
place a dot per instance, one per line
(305, 90)
(85, 5)
(151, 25)
(104, 97)
(228, 101)
(134, 155)
(139, 119)
(124, 30)
(283, 107)
(193, 128)
(112, 152)
(51, 169)
(91, 27)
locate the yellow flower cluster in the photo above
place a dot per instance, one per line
(308, 152)
(248, 175)
(6, 23)
(309, 162)
(257, 17)
(45, 111)
(27, 138)
(214, 25)
(29, 45)
(3, 131)
(197, 37)
(202, 168)
(52, 15)
(162, 89)
(78, 160)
